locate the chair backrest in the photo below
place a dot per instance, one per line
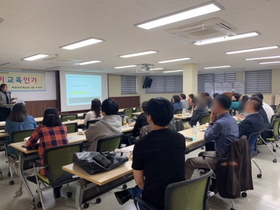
(19, 136)
(109, 143)
(91, 122)
(69, 117)
(178, 111)
(84, 116)
(128, 112)
(138, 109)
(275, 127)
(252, 140)
(205, 119)
(55, 158)
(72, 127)
(274, 117)
(188, 195)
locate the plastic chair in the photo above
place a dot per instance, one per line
(205, 119)
(69, 117)
(273, 139)
(91, 122)
(109, 143)
(253, 138)
(54, 159)
(178, 111)
(274, 117)
(187, 195)
(128, 112)
(72, 127)
(17, 136)
(138, 109)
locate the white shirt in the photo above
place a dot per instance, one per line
(91, 116)
(268, 110)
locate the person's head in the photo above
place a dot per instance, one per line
(207, 94)
(245, 98)
(260, 95)
(51, 118)
(109, 107)
(215, 95)
(160, 112)
(254, 104)
(144, 106)
(96, 107)
(235, 97)
(4, 87)
(191, 96)
(221, 104)
(176, 98)
(18, 113)
(200, 102)
(202, 95)
(183, 96)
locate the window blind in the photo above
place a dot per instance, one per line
(166, 84)
(258, 81)
(128, 85)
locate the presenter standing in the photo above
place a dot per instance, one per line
(5, 99)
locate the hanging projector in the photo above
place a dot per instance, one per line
(145, 68)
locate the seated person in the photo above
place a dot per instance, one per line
(18, 120)
(209, 100)
(109, 125)
(268, 110)
(184, 101)
(199, 111)
(95, 111)
(141, 120)
(235, 105)
(253, 122)
(223, 130)
(51, 133)
(243, 100)
(177, 105)
(158, 158)
(191, 100)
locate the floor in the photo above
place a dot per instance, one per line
(265, 196)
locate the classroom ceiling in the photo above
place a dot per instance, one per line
(41, 26)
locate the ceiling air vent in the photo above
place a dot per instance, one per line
(205, 29)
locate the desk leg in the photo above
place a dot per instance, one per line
(23, 180)
(79, 193)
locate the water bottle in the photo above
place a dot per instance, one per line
(198, 126)
(184, 111)
(194, 133)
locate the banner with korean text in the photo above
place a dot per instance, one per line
(23, 81)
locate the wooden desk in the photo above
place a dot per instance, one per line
(78, 121)
(3, 134)
(182, 116)
(136, 113)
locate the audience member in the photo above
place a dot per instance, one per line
(184, 101)
(141, 120)
(268, 110)
(199, 111)
(177, 105)
(191, 101)
(223, 130)
(109, 125)
(235, 104)
(95, 111)
(209, 100)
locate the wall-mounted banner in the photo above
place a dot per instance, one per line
(23, 81)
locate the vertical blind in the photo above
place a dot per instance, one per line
(258, 81)
(166, 84)
(215, 78)
(128, 85)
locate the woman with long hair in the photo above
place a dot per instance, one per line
(95, 111)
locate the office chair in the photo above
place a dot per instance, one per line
(54, 158)
(91, 122)
(128, 112)
(188, 195)
(72, 127)
(69, 117)
(274, 117)
(205, 119)
(138, 109)
(273, 139)
(253, 138)
(109, 143)
(17, 136)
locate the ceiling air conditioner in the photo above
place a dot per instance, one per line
(144, 68)
(60, 61)
(205, 29)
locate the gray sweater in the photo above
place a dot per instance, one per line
(3, 99)
(109, 125)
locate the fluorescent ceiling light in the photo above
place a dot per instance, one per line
(182, 15)
(272, 62)
(138, 54)
(252, 50)
(218, 67)
(35, 57)
(89, 62)
(156, 69)
(226, 38)
(172, 71)
(124, 67)
(263, 58)
(174, 60)
(82, 43)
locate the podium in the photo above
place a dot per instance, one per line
(5, 112)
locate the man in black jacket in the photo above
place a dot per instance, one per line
(253, 122)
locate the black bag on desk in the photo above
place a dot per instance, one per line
(96, 162)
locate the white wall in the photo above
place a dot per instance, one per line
(48, 94)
